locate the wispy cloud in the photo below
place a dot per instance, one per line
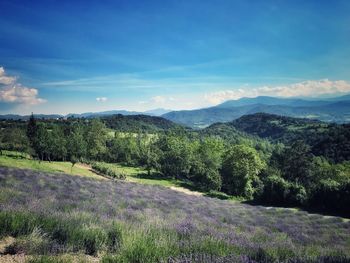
(101, 99)
(13, 92)
(310, 88)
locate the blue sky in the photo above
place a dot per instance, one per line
(78, 56)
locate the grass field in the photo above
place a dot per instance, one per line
(116, 221)
(23, 161)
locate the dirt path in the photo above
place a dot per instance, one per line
(185, 191)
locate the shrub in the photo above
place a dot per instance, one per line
(278, 191)
(109, 170)
(217, 194)
(332, 196)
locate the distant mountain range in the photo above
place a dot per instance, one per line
(155, 112)
(329, 110)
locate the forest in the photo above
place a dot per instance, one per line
(260, 158)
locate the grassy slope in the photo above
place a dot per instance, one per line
(129, 222)
(17, 160)
(134, 174)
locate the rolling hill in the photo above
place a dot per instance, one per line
(136, 123)
(116, 221)
(330, 140)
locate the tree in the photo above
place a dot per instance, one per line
(176, 155)
(206, 163)
(41, 143)
(240, 170)
(32, 130)
(297, 163)
(96, 139)
(77, 147)
(58, 144)
(149, 153)
(14, 139)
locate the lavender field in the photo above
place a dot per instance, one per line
(116, 221)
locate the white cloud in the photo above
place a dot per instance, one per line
(310, 88)
(13, 92)
(159, 99)
(101, 99)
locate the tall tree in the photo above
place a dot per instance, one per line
(207, 162)
(176, 156)
(32, 130)
(77, 146)
(96, 139)
(240, 170)
(297, 163)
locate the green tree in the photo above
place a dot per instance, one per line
(206, 163)
(42, 143)
(240, 170)
(96, 137)
(297, 163)
(14, 139)
(58, 144)
(176, 156)
(32, 128)
(149, 153)
(77, 147)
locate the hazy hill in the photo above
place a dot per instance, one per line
(266, 100)
(102, 113)
(331, 110)
(155, 112)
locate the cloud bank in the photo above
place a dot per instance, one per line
(13, 92)
(310, 88)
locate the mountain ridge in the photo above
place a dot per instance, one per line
(329, 110)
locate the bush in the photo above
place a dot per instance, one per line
(332, 196)
(278, 191)
(217, 194)
(109, 170)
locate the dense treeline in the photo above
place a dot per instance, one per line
(214, 160)
(331, 141)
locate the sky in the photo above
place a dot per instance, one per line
(82, 56)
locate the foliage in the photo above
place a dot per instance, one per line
(14, 139)
(109, 170)
(96, 139)
(77, 145)
(296, 163)
(176, 155)
(325, 139)
(240, 170)
(137, 123)
(207, 163)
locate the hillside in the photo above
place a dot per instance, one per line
(154, 112)
(332, 110)
(136, 123)
(329, 140)
(123, 123)
(115, 221)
